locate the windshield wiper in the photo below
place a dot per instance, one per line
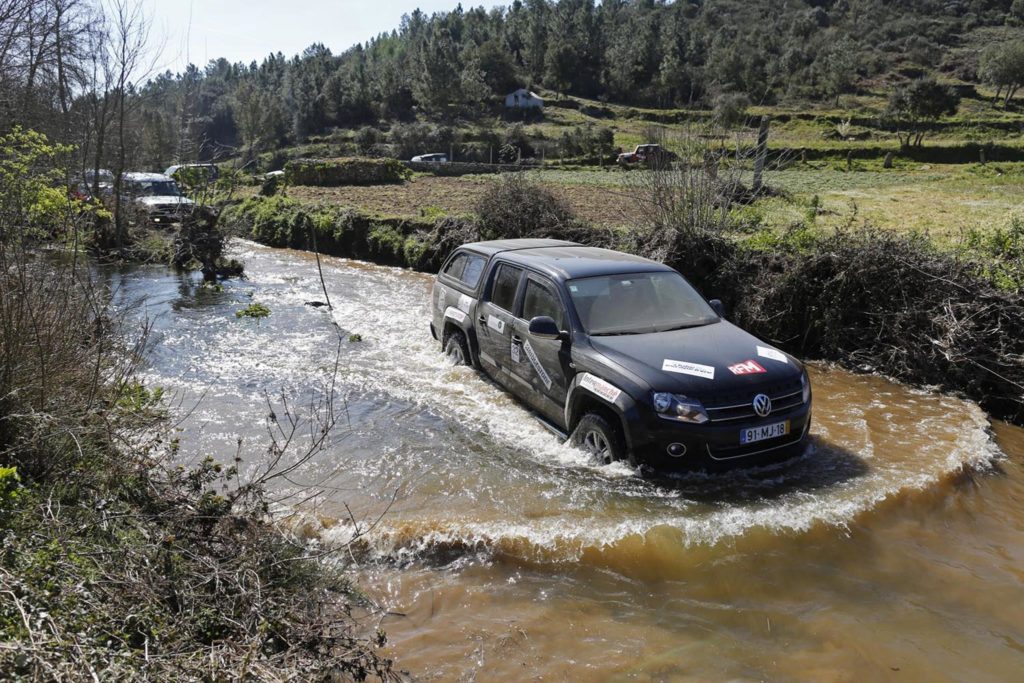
(615, 334)
(684, 327)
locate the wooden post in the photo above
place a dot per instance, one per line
(490, 150)
(981, 155)
(849, 160)
(888, 160)
(762, 152)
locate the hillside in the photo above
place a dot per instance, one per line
(454, 68)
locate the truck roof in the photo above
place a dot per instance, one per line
(564, 260)
(492, 247)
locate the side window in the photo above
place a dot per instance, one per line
(456, 266)
(506, 282)
(540, 300)
(474, 268)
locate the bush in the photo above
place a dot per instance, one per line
(516, 207)
(885, 302)
(349, 171)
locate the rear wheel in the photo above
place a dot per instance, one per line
(456, 349)
(599, 437)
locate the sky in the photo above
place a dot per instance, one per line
(247, 30)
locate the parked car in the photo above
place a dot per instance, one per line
(83, 187)
(436, 157)
(156, 197)
(649, 154)
(621, 353)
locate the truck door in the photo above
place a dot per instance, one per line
(494, 321)
(543, 365)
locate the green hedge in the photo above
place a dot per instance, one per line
(345, 171)
(283, 222)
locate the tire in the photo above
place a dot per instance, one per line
(456, 349)
(599, 437)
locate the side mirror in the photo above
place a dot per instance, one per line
(718, 307)
(544, 327)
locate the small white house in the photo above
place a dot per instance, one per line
(523, 99)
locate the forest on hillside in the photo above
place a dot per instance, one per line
(63, 68)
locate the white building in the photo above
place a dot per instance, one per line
(523, 99)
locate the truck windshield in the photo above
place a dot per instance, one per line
(155, 188)
(637, 303)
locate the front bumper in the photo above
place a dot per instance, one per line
(716, 446)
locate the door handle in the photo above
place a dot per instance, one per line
(517, 339)
(482, 319)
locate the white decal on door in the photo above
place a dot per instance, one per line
(766, 352)
(684, 368)
(605, 390)
(440, 297)
(535, 362)
(464, 303)
(496, 323)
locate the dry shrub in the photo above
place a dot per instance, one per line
(885, 302)
(514, 207)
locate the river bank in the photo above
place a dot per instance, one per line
(125, 556)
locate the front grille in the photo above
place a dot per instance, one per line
(729, 406)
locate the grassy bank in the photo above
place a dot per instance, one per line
(117, 563)
(869, 299)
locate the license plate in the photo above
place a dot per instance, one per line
(764, 432)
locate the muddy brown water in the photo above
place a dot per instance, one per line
(893, 550)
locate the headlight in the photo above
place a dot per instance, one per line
(805, 384)
(680, 408)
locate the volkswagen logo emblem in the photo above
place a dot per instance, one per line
(762, 405)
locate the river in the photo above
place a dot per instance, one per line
(893, 550)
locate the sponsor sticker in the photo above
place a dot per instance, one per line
(464, 303)
(516, 352)
(747, 367)
(605, 390)
(684, 368)
(440, 296)
(496, 324)
(766, 352)
(455, 314)
(535, 362)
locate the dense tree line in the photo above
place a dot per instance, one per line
(453, 65)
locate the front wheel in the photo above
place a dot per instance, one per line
(599, 437)
(456, 349)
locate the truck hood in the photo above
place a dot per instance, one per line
(696, 361)
(165, 200)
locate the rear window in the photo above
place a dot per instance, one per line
(506, 282)
(466, 268)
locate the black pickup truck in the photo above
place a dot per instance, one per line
(621, 353)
